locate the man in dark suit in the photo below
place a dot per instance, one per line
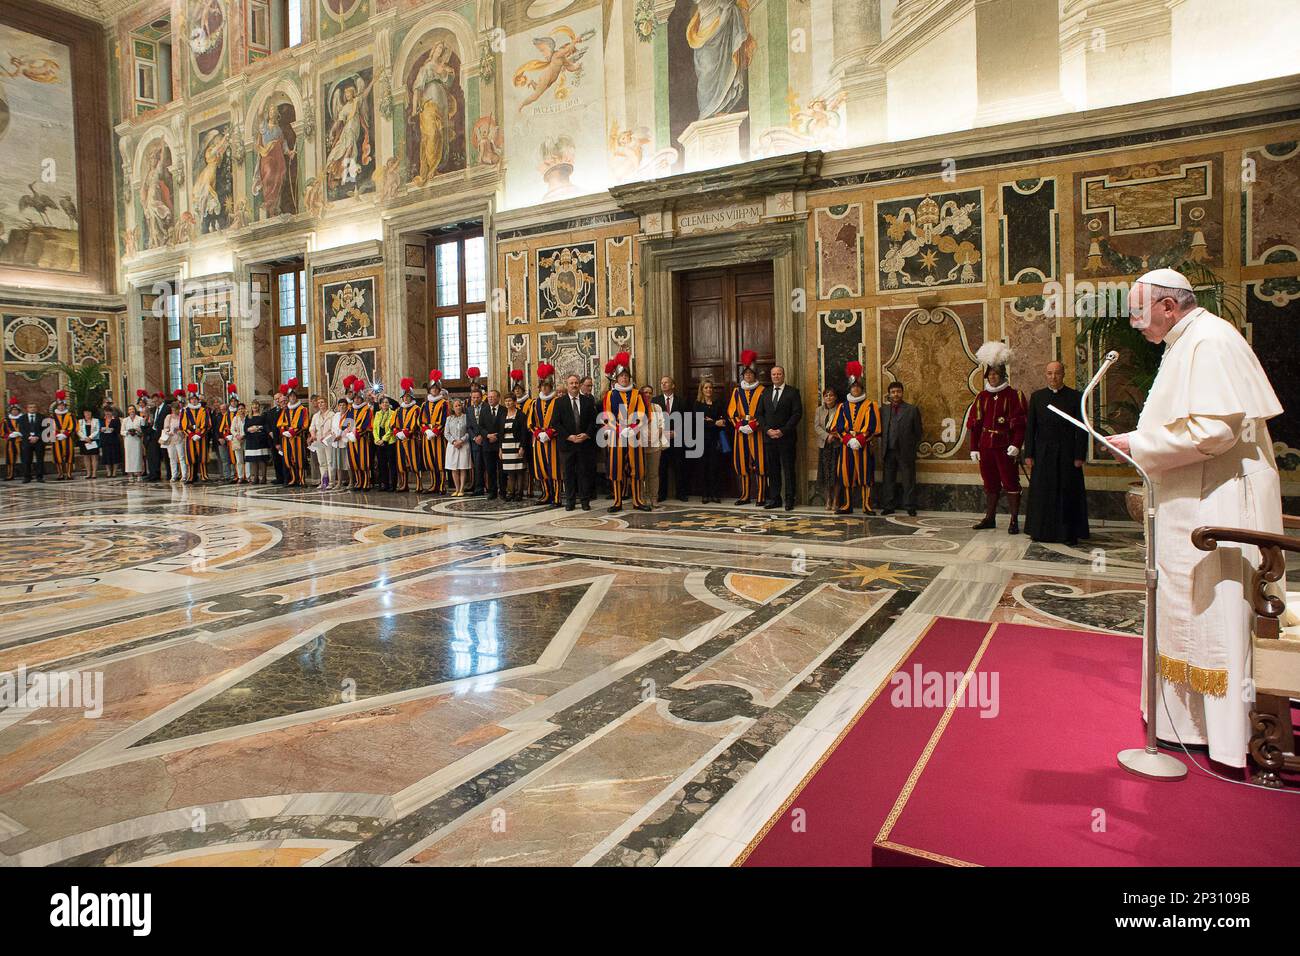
(155, 419)
(575, 427)
(900, 433)
(780, 410)
(32, 429)
(672, 460)
(475, 440)
(491, 423)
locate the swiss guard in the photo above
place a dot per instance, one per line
(13, 439)
(997, 430)
(747, 451)
(357, 434)
(407, 429)
(293, 425)
(433, 425)
(541, 425)
(195, 424)
(856, 424)
(623, 418)
(65, 426)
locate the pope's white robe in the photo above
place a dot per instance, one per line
(1203, 441)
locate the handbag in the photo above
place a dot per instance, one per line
(724, 443)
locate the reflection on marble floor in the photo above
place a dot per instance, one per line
(293, 678)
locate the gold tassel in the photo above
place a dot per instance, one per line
(1203, 680)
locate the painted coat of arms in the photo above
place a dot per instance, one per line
(566, 282)
(347, 314)
(935, 242)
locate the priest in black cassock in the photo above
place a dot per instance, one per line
(1054, 451)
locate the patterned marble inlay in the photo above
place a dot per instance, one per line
(378, 678)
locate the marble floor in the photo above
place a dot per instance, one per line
(291, 678)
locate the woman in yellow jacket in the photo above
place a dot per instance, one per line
(385, 432)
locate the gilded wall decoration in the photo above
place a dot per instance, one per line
(517, 287)
(212, 379)
(89, 340)
(566, 282)
(620, 338)
(932, 352)
(572, 353)
(348, 307)
(1271, 204)
(620, 283)
(209, 333)
(1148, 216)
(339, 365)
(930, 241)
(30, 338)
(1029, 231)
(841, 247)
(839, 333)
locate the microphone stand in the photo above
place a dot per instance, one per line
(1147, 761)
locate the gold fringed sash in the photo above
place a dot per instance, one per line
(1203, 680)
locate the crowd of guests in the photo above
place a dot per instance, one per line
(564, 445)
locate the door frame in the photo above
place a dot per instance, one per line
(783, 243)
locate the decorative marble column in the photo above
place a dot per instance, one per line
(1017, 61)
(855, 35)
(1115, 51)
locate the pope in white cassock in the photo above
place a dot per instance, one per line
(1202, 438)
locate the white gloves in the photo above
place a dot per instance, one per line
(855, 444)
(15, 434)
(975, 456)
(352, 436)
(746, 430)
(1012, 451)
(196, 436)
(542, 436)
(428, 433)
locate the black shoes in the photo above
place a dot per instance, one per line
(911, 512)
(742, 501)
(586, 506)
(887, 511)
(789, 506)
(615, 509)
(769, 505)
(644, 507)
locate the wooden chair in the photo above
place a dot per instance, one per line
(1275, 655)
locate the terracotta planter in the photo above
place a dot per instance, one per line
(1135, 499)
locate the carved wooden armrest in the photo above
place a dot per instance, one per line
(1268, 603)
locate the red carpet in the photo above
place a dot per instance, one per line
(851, 791)
(1036, 785)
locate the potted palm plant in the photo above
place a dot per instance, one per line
(1106, 327)
(87, 384)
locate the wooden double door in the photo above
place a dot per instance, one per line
(724, 311)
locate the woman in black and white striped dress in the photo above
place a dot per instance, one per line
(512, 449)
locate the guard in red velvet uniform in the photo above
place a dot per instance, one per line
(997, 429)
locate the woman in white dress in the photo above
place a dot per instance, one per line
(237, 443)
(173, 439)
(133, 443)
(88, 432)
(456, 432)
(336, 438)
(318, 441)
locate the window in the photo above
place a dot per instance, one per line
(173, 372)
(273, 25)
(459, 308)
(151, 50)
(290, 307)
